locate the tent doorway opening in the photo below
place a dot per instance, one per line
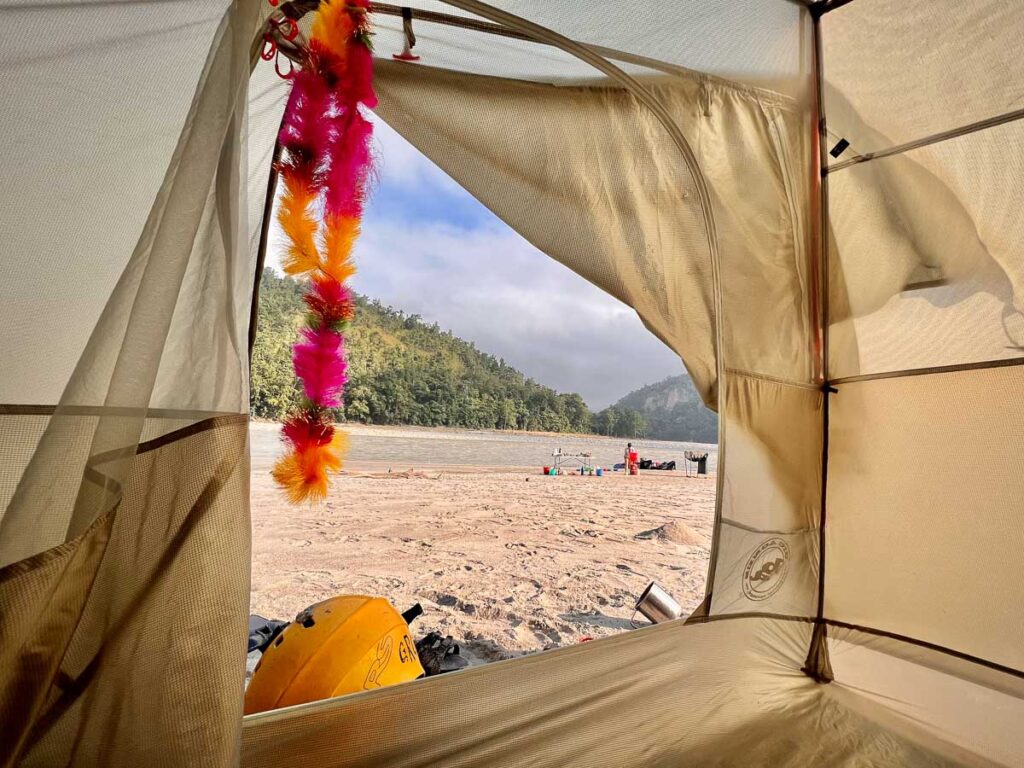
(479, 367)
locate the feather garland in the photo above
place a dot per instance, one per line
(325, 167)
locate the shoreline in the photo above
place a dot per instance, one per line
(360, 428)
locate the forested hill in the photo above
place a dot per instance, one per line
(404, 371)
(674, 411)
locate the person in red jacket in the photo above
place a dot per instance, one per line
(631, 460)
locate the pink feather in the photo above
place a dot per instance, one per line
(360, 78)
(349, 170)
(319, 362)
(307, 132)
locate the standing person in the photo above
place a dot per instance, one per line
(630, 460)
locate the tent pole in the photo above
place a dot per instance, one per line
(955, 368)
(935, 138)
(817, 665)
(261, 252)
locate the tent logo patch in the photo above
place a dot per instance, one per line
(766, 569)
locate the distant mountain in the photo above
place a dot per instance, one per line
(674, 411)
(402, 370)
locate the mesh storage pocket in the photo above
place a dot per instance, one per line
(138, 617)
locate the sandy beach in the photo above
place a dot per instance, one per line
(503, 559)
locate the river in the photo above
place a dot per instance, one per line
(402, 448)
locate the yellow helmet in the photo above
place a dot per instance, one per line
(346, 644)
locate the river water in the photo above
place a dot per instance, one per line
(402, 448)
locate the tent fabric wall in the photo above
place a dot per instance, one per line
(769, 499)
(948, 290)
(956, 64)
(925, 263)
(81, 167)
(596, 200)
(925, 271)
(766, 46)
(920, 493)
(120, 646)
(124, 540)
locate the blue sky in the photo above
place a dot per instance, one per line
(429, 248)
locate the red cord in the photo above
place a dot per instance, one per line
(277, 68)
(269, 47)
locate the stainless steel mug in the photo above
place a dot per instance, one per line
(657, 605)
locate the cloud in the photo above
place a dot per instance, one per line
(490, 286)
(399, 164)
(429, 248)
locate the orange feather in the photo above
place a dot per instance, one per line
(334, 27)
(305, 475)
(340, 233)
(300, 228)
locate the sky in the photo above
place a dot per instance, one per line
(429, 248)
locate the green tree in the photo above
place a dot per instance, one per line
(404, 371)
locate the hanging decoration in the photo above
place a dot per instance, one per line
(324, 170)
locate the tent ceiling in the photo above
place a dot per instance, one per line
(764, 46)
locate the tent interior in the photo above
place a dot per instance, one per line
(811, 203)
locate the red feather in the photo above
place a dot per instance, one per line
(331, 302)
(304, 430)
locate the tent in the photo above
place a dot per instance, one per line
(812, 203)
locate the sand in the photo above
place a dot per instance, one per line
(507, 561)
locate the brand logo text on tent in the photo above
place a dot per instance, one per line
(766, 569)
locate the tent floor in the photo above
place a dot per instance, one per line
(728, 692)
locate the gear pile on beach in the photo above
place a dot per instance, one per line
(325, 167)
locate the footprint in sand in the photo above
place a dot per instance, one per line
(544, 631)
